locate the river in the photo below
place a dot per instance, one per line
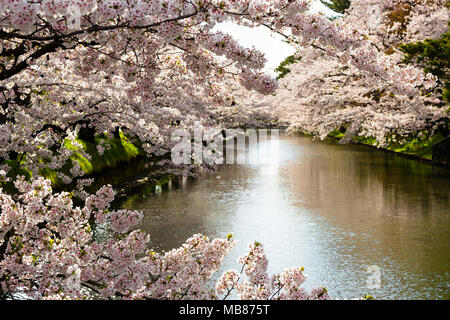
(334, 209)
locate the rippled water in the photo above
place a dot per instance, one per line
(336, 210)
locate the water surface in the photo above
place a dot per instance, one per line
(333, 209)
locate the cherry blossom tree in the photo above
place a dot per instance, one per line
(84, 68)
(103, 66)
(51, 249)
(87, 68)
(368, 91)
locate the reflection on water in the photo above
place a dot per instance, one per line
(336, 210)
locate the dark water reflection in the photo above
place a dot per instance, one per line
(333, 209)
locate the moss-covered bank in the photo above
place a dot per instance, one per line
(123, 160)
(415, 147)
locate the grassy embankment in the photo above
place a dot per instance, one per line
(123, 162)
(414, 146)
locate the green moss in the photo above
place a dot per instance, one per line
(420, 147)
(121, 151)
(336, 134)
(366, 140)
(412, 145)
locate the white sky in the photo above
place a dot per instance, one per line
(271, 45)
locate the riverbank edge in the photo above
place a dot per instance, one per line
(124, 165)
(336, 138)
(401, 154)
(133, 176)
